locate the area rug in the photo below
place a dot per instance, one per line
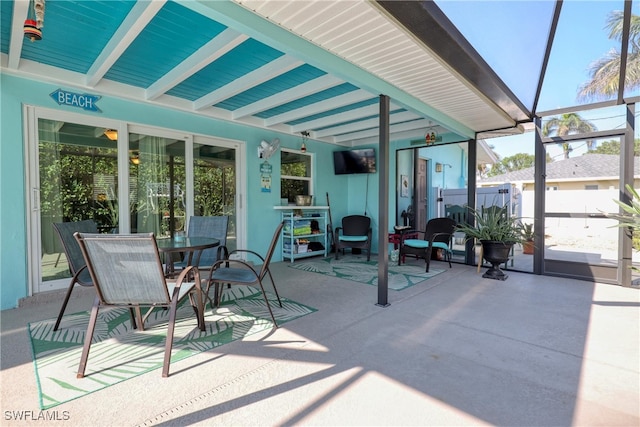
(358, 269)
(119, 353)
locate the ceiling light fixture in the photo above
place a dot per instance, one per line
(112, 134)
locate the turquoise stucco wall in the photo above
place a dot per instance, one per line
(261, 218)
(13, 261)
(348, 194)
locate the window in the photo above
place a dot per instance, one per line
(295, 175)
(591, 187)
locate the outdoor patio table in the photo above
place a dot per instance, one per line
(188, 245)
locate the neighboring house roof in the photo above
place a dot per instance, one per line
(585, 167)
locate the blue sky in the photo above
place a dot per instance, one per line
(511, 36)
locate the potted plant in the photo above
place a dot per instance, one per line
(527, 234)
(497, 232)
(630, 218)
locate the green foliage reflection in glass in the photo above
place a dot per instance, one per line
(295, 171)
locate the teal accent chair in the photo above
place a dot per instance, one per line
(437, 235)
(355, 232)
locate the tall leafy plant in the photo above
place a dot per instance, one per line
(493, 224)
(630, 218)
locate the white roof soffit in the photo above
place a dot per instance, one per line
(368, 38)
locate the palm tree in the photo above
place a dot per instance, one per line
(567, 124)
(605, 72)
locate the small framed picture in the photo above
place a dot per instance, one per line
(404, 186)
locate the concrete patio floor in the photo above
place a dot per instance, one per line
(456, 349)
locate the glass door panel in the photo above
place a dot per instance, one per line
(78, 180)
(635, 254)
(157, 183)
(580, 240)
(506, 177)
(214, 183)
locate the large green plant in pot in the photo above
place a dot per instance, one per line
(497, 232)
(629, 219)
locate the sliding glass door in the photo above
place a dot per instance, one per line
(77, 180)
(157, 183)
(215, 182)
(128, 179)
(579, 239)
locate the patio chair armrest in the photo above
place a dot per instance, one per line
(227, 263)
(76, 277)
(247, 251)
(223, 252)
(184, 276)
(434, 235)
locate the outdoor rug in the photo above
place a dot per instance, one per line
(358, 269)
(118, 352)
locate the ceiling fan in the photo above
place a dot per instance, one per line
(267, 149)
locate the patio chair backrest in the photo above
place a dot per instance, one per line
(457, 213)
(442, 228)
(126, 269)
(356, 225)
(209, 226)
(65, 231)
(271, 250)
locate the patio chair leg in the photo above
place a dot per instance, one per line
(206, 298)
(64, 305)
(139, 317)
(88, 337)
(198, 307)
(132, 313)
(274, 287)
(427, 257)
(169, 343)
(264, 295)
(217, 294)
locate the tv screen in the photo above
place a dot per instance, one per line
(354, 161)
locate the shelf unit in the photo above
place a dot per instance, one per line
(298, 226)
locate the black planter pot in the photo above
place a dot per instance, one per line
(495, 253)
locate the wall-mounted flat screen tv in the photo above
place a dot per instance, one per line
(354, 161)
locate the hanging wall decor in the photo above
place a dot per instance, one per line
(404, 186)
(35, 21)
(431, 136)
(265, 177)
(305, 137)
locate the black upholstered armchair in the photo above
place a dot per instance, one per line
(354, 233)
(438, 235)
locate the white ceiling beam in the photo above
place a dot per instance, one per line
(342, 117)
(313, 86)
(318, 107)
(366, 124)
(267, 72)
(416, 124)
(20, 13)
(141, 14)
(214, 49)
